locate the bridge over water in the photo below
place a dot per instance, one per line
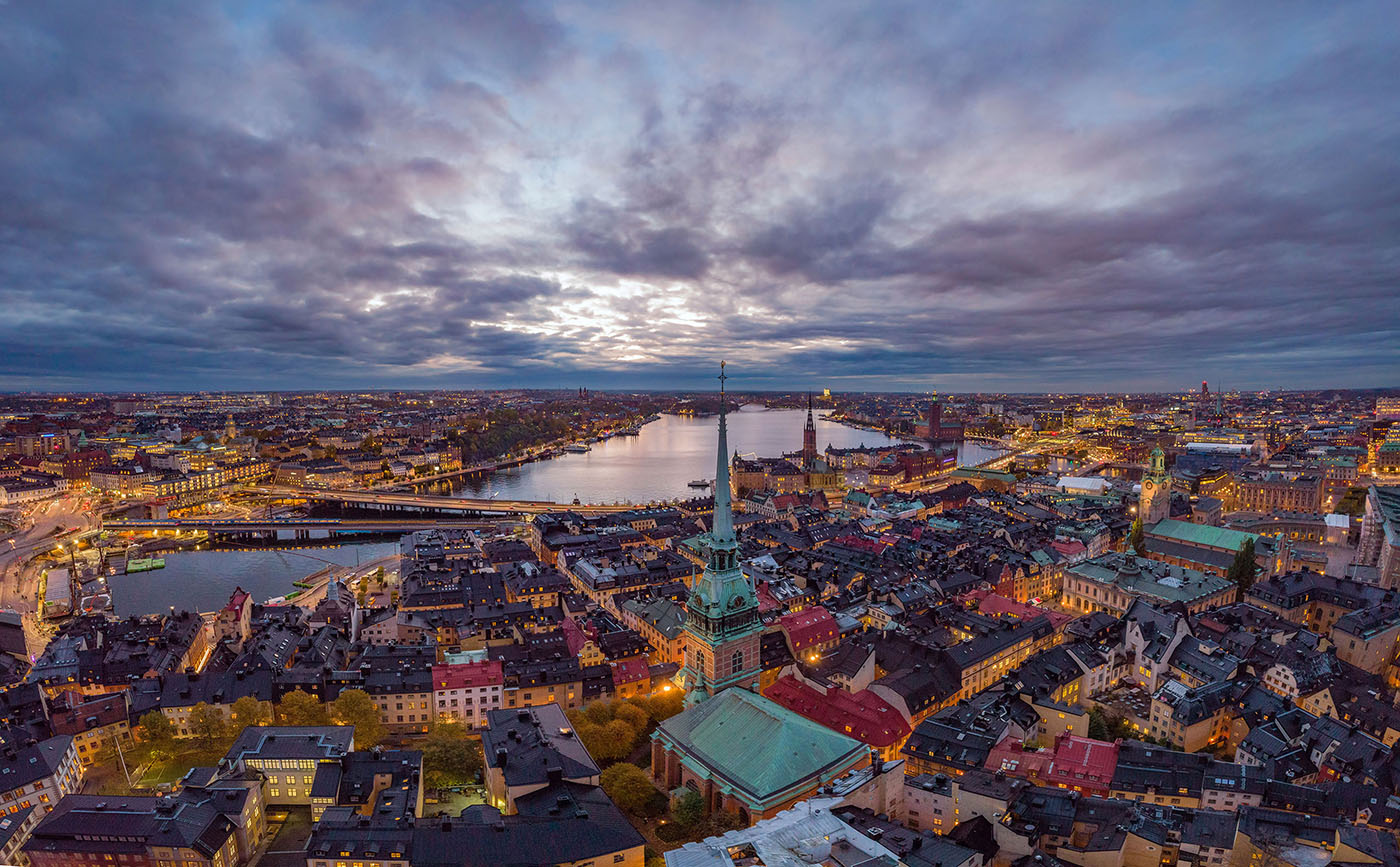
(390, 501)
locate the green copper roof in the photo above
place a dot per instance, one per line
(756, 745)
(1201, 534)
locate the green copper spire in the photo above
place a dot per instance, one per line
(722, 613)
(723, 533)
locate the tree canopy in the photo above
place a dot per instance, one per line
(354, 707)
(248, 711)
(157, 732)
(1243, 568)
(450, 757)
(298, 708)
(207, 726)
(631, 789)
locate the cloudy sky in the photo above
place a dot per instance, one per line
(978, 196)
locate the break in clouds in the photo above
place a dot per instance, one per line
(963, 197)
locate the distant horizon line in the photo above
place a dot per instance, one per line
(685, 391)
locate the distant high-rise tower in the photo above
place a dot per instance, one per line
(1155, 500)
(1205, 388)
(809, 438)
(722, 627)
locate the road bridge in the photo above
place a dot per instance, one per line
(389, 501)
(254, 525)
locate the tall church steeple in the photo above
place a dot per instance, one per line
(722, 627)
(809, 438)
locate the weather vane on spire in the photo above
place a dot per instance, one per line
(722, 377)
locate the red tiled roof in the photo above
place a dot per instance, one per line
(1083, 762)
(1011, 756)
(235, 602)
(631, 670)
(809, 627)
(573, 635)
(468, 674)
(862, 715)
(766, 602)
(72, 712)
(996, 605)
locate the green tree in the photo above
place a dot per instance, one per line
(248, 711)
(601, 745)
(688, 810)
(298, 708)
(629, 786)
(1098, 726)
(664, 705)
(207, 726)
(354, 707)
(634, 716)
(1243, 568)
(379, 577)
(450, 757)
(157, 733)
(621, 732)
(1135, 538)
(600, 713)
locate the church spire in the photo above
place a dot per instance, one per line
(722, 624)
(723, 534)
(809, 438)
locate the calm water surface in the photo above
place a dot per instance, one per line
(204, 580)
(653, 466)
(669, 453)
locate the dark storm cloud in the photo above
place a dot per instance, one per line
(202, 195)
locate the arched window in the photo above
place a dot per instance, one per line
(736, 662)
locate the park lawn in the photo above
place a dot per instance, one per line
(175, 767)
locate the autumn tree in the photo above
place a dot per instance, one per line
(602, 743)
(298, 708)
(354, 707)
(630, 788)
(248, 711)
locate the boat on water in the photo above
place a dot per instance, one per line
(576, 448)
(699, 483)
(144, 564)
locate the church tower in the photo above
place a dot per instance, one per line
(722, 627)
(809, 438)
(1155, 501)
(230, 429)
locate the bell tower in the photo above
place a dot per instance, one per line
(722, 627)
(1155, 500)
